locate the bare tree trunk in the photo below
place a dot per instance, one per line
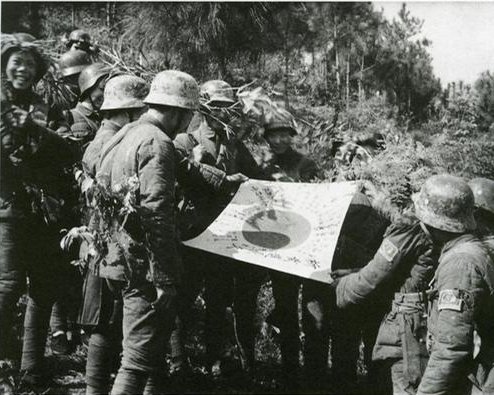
(336, 59)
(326, 74)
(73, 15)
(361, 92)
(347, 81)
(286, 79)
(286, 52)
(108, 15)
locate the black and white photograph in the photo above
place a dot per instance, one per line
(247, 198)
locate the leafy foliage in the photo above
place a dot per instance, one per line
(108, 209)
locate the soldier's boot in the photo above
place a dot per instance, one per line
(98, 364)
(129, 381)
(154, 385)
(35, 335)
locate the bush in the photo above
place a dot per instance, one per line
(485, 101)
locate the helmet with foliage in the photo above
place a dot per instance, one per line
(483, 192)
(79, 36)
(90, 75)
(278, 118)
(446, 202)
(123, 92)
(175, 89)
(11, 43)
(73, 62)
(217, 93)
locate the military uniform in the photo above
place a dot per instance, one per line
(360, 237)
(291, 165)
(399, 272)
(461, 320)
(91, 157)
(101, 308)
(295, 167)
(84, 123)
(143, 148)
(35, 201)
(200, 209)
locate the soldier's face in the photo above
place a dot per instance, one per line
(81, 45)
(218, 116)
(97, 93)
(184, 118)
(21, 70)
(279, 140)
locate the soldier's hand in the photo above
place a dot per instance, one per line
(237, 178)
(342, 272)
(20, 117)
(198, 153)
(9, 118)
(165, 297)
(371, 191)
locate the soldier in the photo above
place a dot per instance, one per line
(70, 67)
(285, 164)
(79, 40)
(145, 148)
(122, 104)
(33, 196)
(102, 305)
(483, 191)
(213, 144)
(360, 237)
(461, 320)
(404, 265)
(84, 117)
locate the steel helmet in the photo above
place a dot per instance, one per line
(175, 89)
(124, 91)
(483, 192)
(446, 202)
(217, 91)
(279, 118)
(11, 43)
(79, 36)
(73, 62)
(91, 74)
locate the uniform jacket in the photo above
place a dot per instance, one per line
(141, 148)
(398, 266)
(84, 123)
(98, 302)
(291, 165)
(462, 311)
(91, 157)
(32, 159)
(203, 204)
(403, 264)
(231, 156)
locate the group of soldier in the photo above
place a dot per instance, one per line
(418, 291)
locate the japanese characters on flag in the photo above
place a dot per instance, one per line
(290, 227)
